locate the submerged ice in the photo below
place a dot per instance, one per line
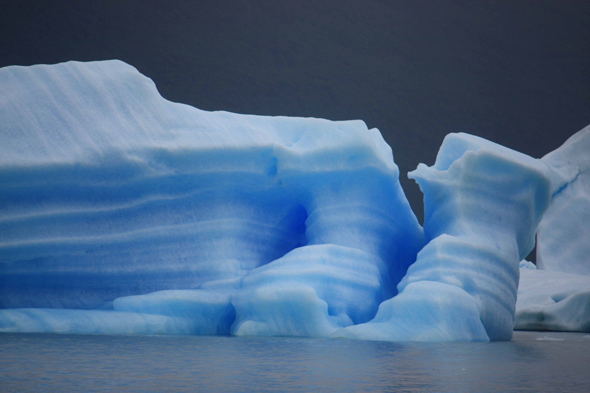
(121, 212)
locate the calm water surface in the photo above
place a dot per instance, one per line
(531, 362)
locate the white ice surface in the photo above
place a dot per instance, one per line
(555, 301)
(564, 234)
(483, 203)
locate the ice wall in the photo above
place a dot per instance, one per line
(483, 203)
(114, 199)
(564, 233)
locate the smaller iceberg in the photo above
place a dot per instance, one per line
(563, 244)
(557, 295)
(552, 301)
(483, 203)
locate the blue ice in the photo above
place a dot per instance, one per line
(564, 231)
(483, 203)
(122, 212)
(115, 200)
(557, 295)
(552, 300)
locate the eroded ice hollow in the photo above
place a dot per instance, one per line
(121, 212)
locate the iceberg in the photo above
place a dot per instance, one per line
(123, 212)
(483, 203)
(563, 234)
(549, 300)
(557, 295)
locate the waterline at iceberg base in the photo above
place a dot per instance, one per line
(121, 213)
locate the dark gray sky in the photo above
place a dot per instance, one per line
(515, 72)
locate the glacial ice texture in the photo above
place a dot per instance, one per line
(552, 301)
(557, 296)
(123, 212)
(564, 234)
(483, 203)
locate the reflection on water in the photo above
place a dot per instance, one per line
(32, 362)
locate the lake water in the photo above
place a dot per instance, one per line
(531, 362)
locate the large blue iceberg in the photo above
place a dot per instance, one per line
(114, 199)
(122, 212)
